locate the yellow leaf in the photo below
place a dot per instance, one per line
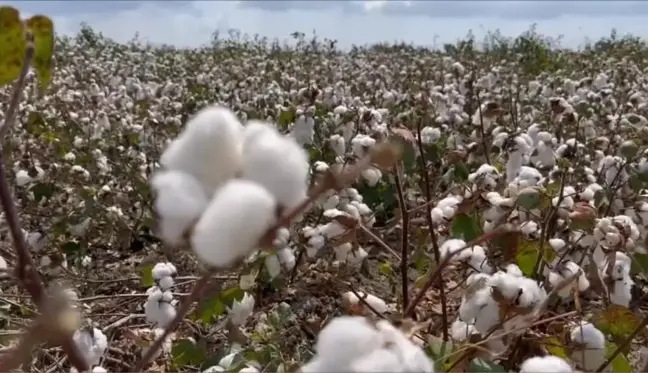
(12, 45)
(527, 255)
(616, 320)
(42, 29)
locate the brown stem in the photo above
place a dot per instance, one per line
(25, 270)
(431, 228)
(404, 237)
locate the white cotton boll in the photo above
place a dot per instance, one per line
(557, 244)
(357, 256)
(450, 247)
(621, 293)
(237, 217)
(344, 339)
(430, 135)
(36, 240)
(331, 202)
(342, 251)
(461, 331)
(241, 310)
(166, 283)
(287, 258)
(514, 270)
(277, 163)
(167, 313)
(180, 200)
(273, 266)
(99, 369)
(372, 176)
(249, 369)
(92, 344)
(338, 144)
(22, 178)
(590, 353)
(381, 360)
(161, 270)
(376, 303)
(412, 357)
(564, 271)
(545, 364)
(209, 148)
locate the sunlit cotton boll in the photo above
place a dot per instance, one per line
(237, 217)
(275, 161)
(545, 364)
(588, 346)
(179, 201)
(209, 148)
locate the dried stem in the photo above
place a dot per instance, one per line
(25, 270)
(431, 228)
(404, 263)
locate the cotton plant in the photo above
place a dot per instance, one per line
(545, 364)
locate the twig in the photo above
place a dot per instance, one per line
(431, 228)
(404, 263)
(379, 241)
(25, 270)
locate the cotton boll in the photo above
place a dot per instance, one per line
(180, 200)
(546, 364)
(209, 148)
(412, 358)
(22, 178)
(381, 360)
(338, 144)
(272, 265)
(287, 258)
(92, 344)
(344, 339)
(237, 217)
(461, 331)
(241, 310)
(589, 349)
(372, 176)
(161, 270)
(249, 369)
(276, 162)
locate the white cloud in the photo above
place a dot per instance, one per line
(191, 23)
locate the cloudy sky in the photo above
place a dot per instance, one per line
(190, 23)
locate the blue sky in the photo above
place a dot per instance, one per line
(190, 23)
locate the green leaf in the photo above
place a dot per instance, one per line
(528, 253)
(286, 118)
(230, 295)
(529, 198)
(460, 172)
(12, 45)
(438, 350)
(42, 191)
(208, 310)
(386, 269)
(483, 366)
(635, 182)
(71, 248)
(464, 227)
(146, 275)
(617, 321)
(620, 363)
(555, 347)
(185, 352)
(42, 28)
(640, 265)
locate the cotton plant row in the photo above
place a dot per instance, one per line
(101, 130)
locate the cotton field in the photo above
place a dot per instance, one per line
(259, 206)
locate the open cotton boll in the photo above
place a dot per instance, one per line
(249, 369)
(381, 360)
(287, 258)
(241, 310)
(22, 178)
(545, 364)
(351, 300)
(412, 357)
(461, 331)
(161, 270)
(209, 148)
(273, 266)
(179, 202)
(565, 271)
(230, 228)
(92, 344)
(277, 163)
(343, 340)
(588, 346)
